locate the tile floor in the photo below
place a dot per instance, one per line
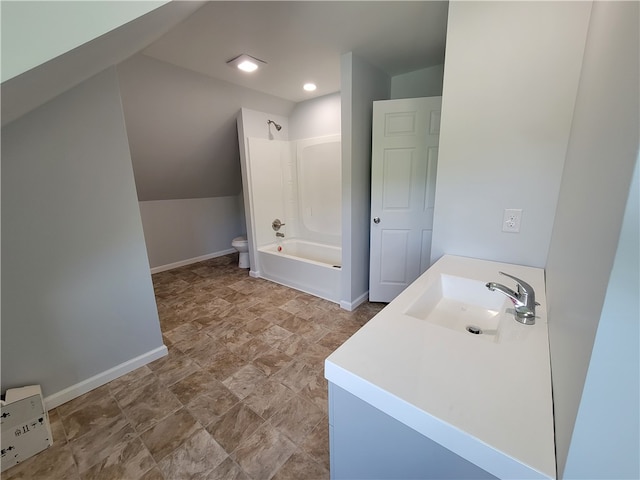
(241, 394)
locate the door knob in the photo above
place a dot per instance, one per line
(376, 220)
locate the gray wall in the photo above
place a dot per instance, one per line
(426, 82)
(182, 129)
(361, 85)
(317, 117)
(77, 297)
(179, 232)
(184, 147)
(595, 184)
(507, 106)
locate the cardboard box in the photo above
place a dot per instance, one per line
(25, 427)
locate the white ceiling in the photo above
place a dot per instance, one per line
(303, 41)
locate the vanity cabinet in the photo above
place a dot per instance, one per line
(366, 443)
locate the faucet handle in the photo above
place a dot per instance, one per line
(524, 288)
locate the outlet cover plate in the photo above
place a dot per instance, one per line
(511, 220)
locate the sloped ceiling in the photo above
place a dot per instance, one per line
(181, 98)
(182, 129)
(38, 85)
(303, 41)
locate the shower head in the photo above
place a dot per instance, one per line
(278, 127)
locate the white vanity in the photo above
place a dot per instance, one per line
(445, 383)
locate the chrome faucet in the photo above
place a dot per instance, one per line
(280, 234)
(524, 299)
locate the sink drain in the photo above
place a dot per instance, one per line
(473, 329)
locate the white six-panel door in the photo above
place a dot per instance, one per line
(403, 174)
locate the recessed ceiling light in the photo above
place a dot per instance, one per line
(309, 87)
(246, 63)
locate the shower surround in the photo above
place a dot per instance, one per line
(300, 183)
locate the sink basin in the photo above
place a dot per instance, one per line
(463, 305)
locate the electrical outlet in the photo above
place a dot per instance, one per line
(511, 220)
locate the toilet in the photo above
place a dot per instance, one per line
(242, 246)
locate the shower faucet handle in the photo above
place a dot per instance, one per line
(276, 224)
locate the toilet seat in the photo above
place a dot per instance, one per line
(239, 242)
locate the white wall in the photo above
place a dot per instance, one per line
(605, 441)
(316, 118)
(510, 80)
(599, 166)
(45, 30)
(426, 82)
(361, 85)
(184, 231)
(77, 297)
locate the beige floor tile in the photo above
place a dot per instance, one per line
(200, 348)
(316, 392)
(251, 349)
(275, 314)
(314, 355)
(148, 405)
(196, 384)
(132, 460)
(293, 345)
(124, 387)
(91, 417)
(83, 400)
(186, 332)
(57, 429)
(153, 474)
(301, 466)
(264, 452)
(297, 418)
(274, 335)
(316, 444)
(272, 361)
(333, 340)
(98, 444)
(234, 426)
(245, 380)
(174, 367)
(228, 470)
(133, 378)
(296, 375)
(209, 406)
(268, 397)
(255, 326)
(224, 363)
(196, 458)
(167, 435)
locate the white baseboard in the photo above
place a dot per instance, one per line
(69, 393)
(351, 306)
(254, 274)
(189, 261)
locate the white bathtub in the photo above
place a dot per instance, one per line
(307, 266)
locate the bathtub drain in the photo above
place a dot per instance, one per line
(473, 329)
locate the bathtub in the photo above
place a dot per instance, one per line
(307, 266)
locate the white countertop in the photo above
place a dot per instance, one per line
(488, 401)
